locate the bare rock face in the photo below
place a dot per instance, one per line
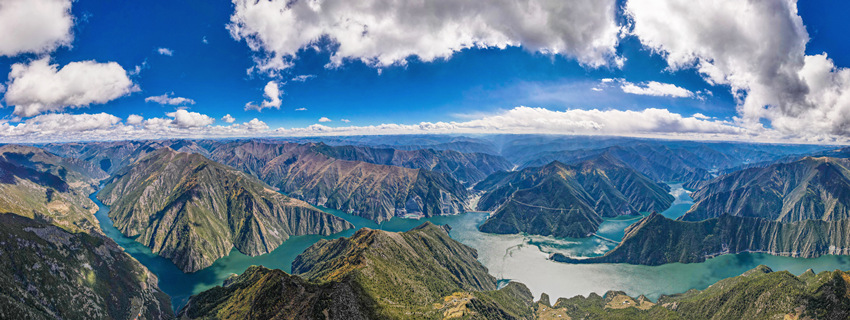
(193, 211)
(374, 191)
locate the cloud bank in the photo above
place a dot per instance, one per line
(657, 123)
(383, 33)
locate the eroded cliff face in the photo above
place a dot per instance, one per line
(807, 189)
(374, 191)
(419, 274)
(657, 240)
(567, 200)
(50, 273)
(193, 211)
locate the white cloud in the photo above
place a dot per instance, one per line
(382, 33)
(228, 118)
(60, 124)
(303, 77)
(253, 125)
(757, 48)
(168, 99)
(40, 87)
(272, 98)
(36, 26)
(658, 89)
(186, 119)
(204, 40)
(345, 120)
(165, 51)
(324, 119)
(135, 119)
(652, 123)
(596, 89)
(301, 109)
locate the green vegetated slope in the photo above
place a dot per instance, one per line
(567, 200)
(656, 240)
(193, 211)
(757, 294)
(51, 273)
(374, 191)
(810, 188)
(40, 185)
(419, 274)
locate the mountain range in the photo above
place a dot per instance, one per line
(567, 200)
(193, 211)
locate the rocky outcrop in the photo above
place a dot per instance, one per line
(810, 188)
(374, 191)
(50, 273)
(567, 200)
(657, 240)
(419, 274)
(193, 211)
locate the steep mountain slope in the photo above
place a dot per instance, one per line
(658, 162)
(467, 168)
(810, 188)
(377, 192)
(757, 294)
(193, 211)
(50, 273)
(419, 274)
(111, 156)
(656, 240)
(40, 185)
(567, 201)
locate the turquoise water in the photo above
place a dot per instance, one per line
(180, 286)
(522, 258)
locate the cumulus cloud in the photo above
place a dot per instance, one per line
(168, 99)
(272, 98)
(658, 89)
(165, 51)
(757, 48)
(324, 119)
(135, 119)
(253, 125)
(186, 119)
(34, 26)
(40, 87)
(301, 109)
(345, 120)
(228, 118)
(382, 33)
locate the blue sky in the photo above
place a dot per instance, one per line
(209, 66)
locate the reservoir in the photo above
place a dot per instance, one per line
(522, 258)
